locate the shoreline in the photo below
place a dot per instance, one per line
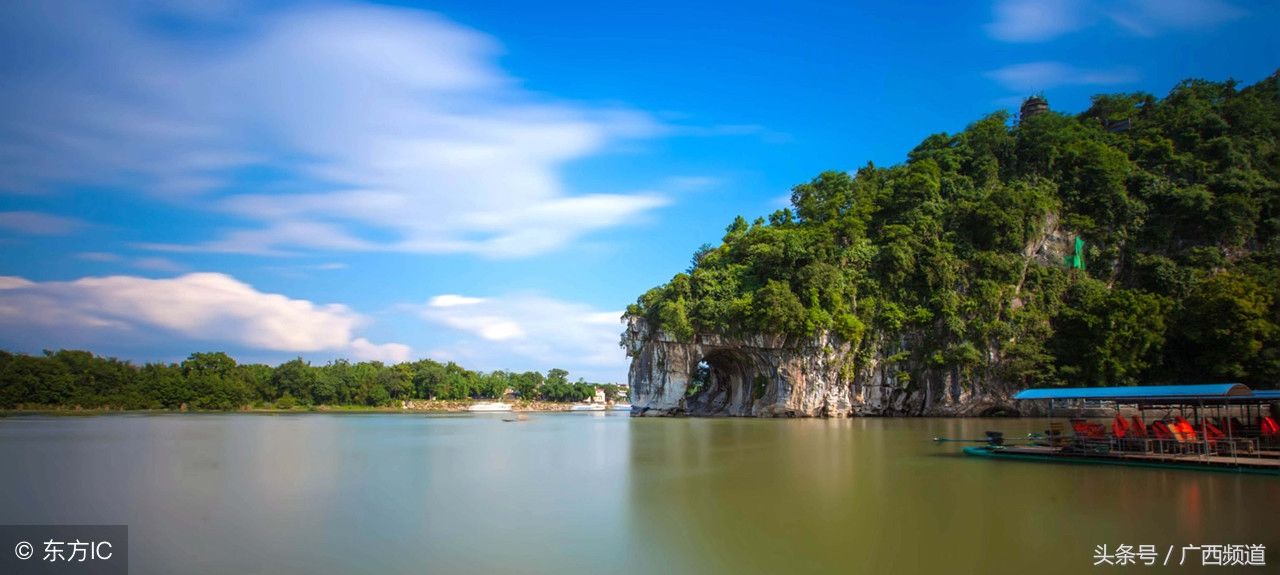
(419, 406)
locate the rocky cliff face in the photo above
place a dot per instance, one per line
(775, 376)
(764, 375)
(760, 375)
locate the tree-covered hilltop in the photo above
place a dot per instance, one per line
(214, 381)
(1177, 201)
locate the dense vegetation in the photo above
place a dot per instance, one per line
(215, 381)
(1177, 201)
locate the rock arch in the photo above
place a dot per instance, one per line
(732, 384)
(758, 375)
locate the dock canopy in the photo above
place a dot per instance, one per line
(1143, 393)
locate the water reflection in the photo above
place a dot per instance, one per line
(597, 493)
(877, 495)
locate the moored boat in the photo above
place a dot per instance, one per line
(486, 407)
(1212, 427)
(587, 407)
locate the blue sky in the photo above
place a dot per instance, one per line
(489, 183)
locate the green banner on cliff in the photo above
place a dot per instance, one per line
(1075, 260)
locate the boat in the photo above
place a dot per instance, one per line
(1222, 427)
(587, 407)
(620, 407)
(488, 407)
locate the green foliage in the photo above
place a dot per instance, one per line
(1107, 337)
(526, 384)
(775, 308)
(560, 390)
(214, 381)
(557, 376)
(286, 401)
(1177, 201)
(1229, 323)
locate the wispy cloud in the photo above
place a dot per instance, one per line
(452, 300)
(691, 183)
(1034, 20)
(1032, 76)
(99, 257)
(544, 332)
(1043, 20)
(143, 263)
(1151, 17)
(39, 224)
(199, 307)
(396, 128)
(158, 264)
(304, 271)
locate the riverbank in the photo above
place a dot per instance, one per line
(409, 406)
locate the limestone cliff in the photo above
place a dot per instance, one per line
(761, 375)
(765, 375)
(775, 376)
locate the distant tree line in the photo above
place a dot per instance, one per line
(214, 381)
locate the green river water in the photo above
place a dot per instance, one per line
(601, 493)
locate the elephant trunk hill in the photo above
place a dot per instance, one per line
(1135, 242)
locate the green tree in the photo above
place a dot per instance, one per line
(526, 384)
(295, 378)
(1226, 324)
(556, 376)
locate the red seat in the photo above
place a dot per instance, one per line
(1088, 430)
(1139, 427)
(1161, 431)
(1212, 433)
(1184, 428)
(1269, 426)
(1120, 426)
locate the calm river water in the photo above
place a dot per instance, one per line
(596, 493)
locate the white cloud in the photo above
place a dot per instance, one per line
(362, 349)
(1034, 20)
(452, 300)
(396, 128)
(1042, 20)
(204, 307)
(1034, 76)
(39, 224)
(1150, 17)
(10, 282)
(543, 331)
